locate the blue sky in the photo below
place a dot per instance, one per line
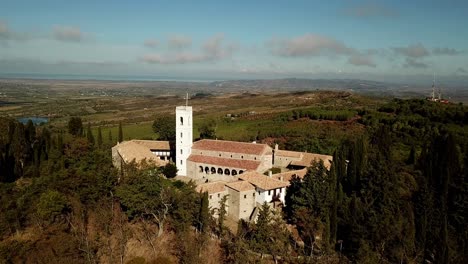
(380, 40)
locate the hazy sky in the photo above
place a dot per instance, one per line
(241, 39)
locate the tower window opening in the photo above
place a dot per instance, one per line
(181, 120)
(181, 135)
(181, 161)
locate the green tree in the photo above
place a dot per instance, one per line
(164, 126)
(222, 214)
(120, 132)
(51, 205)
(109, 136)
(99, 137)
(207, 130)
(89, 135)
(75, 126)
(169, 170)
(204, 214)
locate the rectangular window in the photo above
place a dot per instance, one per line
(211, 196)
(181, 151)
(253, 194)
(268, 192)
(180, 134)
(181, 161)
(245, 196)
(219, 195)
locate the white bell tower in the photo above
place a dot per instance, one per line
(184, 129)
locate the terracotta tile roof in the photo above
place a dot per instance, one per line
(241, 186)
(287, 176)
(287, 153)
(308, 158)
(130, 151)
(153, 144)
(225, 162)
(231, 146)
(212, 187)
(261, 181)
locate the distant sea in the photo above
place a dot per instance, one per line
(81, 77)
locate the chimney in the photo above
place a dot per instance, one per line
(254, 142)
(270, 173)
(276, 147)
(281, 178)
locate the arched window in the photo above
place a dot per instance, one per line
(227, 172)
(220, 171)
(213, 170)
(181, 120)
(201, 168)
(234, 172)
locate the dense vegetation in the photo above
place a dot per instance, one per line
(396, 193)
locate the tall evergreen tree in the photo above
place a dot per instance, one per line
(89, 135)
(109, 136)
(120, 133)
(99, 137)
(204, 214)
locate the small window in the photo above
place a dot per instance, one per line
(181, 134)
(211, 196)
(280, 190)
(269, 192)
(255, 158)
(220, 155)
(245, 196)
(242, 157)
(181, 151)
(258, 192)
(181, 120)
(181, 162)
(253, 194)
(219, 195)
(231, 156)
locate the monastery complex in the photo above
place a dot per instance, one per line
(240, 170)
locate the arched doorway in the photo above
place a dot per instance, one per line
(234, 172)
(220, 171)
(227, 172)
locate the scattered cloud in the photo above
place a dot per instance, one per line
(151, 43)
(69, 34)
(179, 42)
(7, 34)
(212, 49)
(446, 51)
(370, 10)
(309, 45)
(412, 51)
(361, 60)
(412, 63)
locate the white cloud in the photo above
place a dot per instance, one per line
(179, 42)
(412, 51)
(69, 34)
(151, 43)
(361, 60)
(446, 51)
(309, 45)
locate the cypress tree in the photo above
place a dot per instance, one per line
(89, 135)
(109, 136)
(203, 218)
(120, 132)
(99, 137)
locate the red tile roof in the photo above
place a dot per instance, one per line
(153, 144)
(224, 162)
(231, 146)
(211, 187)
(287, 176)
(308, 158)
(262, 181)
(241, 186)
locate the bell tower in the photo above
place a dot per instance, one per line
(184, 130)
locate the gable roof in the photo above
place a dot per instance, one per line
(212, 187)
(261, 181)
(288, 153)
(225, 162)
(130, 151)
(241, 186)
(287, 176)
(231, 146)
(153, 144)
(308, 158)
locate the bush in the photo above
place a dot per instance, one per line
(51, 205)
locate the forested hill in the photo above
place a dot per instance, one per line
(397, 192)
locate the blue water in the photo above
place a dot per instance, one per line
(35, 120)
